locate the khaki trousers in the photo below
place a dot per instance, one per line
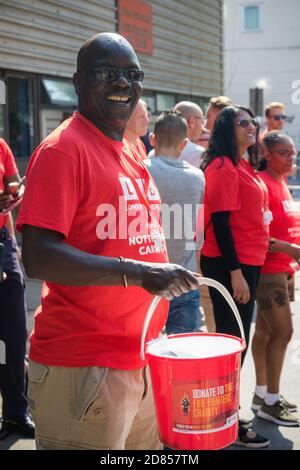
(92, 408)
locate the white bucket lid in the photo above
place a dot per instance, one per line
(194, 346)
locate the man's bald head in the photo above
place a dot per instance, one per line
(193, 115)
(105, 41)
(187, 108)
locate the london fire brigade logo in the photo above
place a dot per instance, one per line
(185, 404)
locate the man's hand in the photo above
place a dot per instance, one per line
(240, 287)
(168, 280)
(5, 200)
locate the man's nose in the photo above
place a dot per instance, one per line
(121, 80)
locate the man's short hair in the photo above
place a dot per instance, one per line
(219, 102)
(170, 129)
(273, 104)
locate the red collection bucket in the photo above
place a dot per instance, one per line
(195, 379)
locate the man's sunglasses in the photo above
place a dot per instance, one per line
(110, 74)
(279, 117)
(246, 122)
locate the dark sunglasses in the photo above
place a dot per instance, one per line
(246, 122)
(110, 74)
(279, 117)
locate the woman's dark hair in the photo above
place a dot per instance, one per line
(222, 142)
(271, 139)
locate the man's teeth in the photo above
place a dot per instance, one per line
(122, 99)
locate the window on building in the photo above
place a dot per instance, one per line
(252, 18)
(21, 117)
(150, 100)
(164, 102)
(58, 92)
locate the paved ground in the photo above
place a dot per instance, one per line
(282, 438)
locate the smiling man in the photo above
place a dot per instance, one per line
(91, 233)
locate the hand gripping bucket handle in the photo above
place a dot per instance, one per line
(202, 281)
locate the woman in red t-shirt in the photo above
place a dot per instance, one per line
(274, 322)
(235, 219)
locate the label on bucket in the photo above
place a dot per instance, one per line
(205, 406)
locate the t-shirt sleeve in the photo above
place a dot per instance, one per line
(52, 191)
(10, 166)
(222, 186)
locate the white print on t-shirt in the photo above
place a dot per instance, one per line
(155, 241)
(130, 221)
(289, 206)
(130, 192)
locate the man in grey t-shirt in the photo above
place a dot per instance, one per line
(191, 152)
(181, 188)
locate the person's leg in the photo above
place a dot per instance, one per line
(143, 434)
(279, 323)
(183, 314)
(87, 407)
(13, 333)
(259, 345)
(276, 312)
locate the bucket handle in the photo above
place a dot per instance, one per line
(202, 281)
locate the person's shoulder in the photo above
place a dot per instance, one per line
(4, 147)
(264, 175)
(193, 170)
(66, 139)
(192, 147)
(222, 162)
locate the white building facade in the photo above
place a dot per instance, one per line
(262, 56)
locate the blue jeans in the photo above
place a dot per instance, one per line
(184, 313)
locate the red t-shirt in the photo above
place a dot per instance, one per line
(240, 190)
(79, 182)
(141, 149)
(8, 167)
(284, 226)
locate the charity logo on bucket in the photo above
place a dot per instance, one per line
(205, 406)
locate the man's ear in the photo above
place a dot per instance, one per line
(76, 82)
(190, 121)
(152, 139)
(182, 144)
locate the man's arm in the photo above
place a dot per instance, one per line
(47, 257)
(291, 249)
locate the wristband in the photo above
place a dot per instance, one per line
(122, 260)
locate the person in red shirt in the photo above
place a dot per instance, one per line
(137, 126)
(274, 327)
(13, 333)
(236, 215)
(91, 231)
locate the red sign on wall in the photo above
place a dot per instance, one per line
(135, 24)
